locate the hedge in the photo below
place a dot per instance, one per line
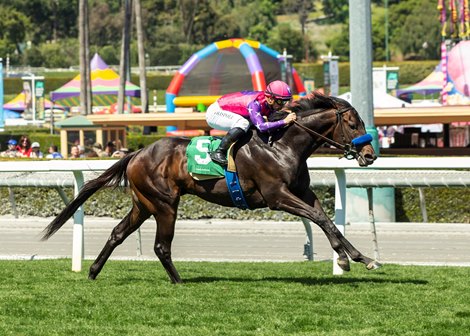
(444, 205)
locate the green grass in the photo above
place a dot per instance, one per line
(136, 298)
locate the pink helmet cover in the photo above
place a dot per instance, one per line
(279, 90)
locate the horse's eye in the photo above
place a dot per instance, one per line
(352, 125)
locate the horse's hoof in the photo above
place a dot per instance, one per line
(343, 264)
(373, 265)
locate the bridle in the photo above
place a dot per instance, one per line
(350, 150)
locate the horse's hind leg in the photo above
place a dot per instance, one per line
(128, 224)
(166, 218)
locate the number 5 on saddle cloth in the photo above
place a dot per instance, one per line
(201, 167)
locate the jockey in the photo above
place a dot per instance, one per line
(234, 111)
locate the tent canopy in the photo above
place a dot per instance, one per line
(104, 81)
(430, 85)
(458, 77)
(17, 104)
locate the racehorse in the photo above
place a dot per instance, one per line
(272, 172)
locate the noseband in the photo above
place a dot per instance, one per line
(350, 150)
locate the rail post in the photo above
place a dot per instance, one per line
(340, 211)
(78, 242)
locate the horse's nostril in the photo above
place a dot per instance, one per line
(370, 157)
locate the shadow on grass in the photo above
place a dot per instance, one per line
(309, 281)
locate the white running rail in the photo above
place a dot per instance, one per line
(385, 172)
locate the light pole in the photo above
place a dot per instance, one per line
(387, 56)
(1, 96)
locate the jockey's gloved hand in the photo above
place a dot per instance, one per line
(291, 117)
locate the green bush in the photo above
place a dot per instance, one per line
(136, 141)
(444, 205)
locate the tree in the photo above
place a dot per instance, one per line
(284, 37)
(188, 10)
(85, 81)
(339, 43)
(337, 11)
(412, 30)
(49, 19)
(125, 54)
(302, 8)
(105, 25)
(141, 52)
(206, 26)
(13, 28)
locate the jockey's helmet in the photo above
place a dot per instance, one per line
(278, 90)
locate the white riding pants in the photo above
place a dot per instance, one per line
(225, 120)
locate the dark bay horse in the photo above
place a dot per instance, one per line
(273, 173)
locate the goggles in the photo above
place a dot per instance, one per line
(281, 102)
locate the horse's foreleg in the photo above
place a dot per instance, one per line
(128, 224)
(166, 217)
(309, 207)
(355, 255)
(323, 222)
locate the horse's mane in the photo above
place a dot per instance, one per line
(313, 102)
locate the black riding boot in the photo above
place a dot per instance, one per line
(220, 154)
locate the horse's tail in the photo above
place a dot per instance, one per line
(112, 177)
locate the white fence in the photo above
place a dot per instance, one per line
(385, 172)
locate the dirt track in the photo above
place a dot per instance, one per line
(415, 243)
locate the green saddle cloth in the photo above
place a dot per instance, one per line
(199, 161)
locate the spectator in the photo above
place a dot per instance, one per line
(98, 149)
(120, 153)
(11, 151)
(81, 151)
(36, 151)
(110, 149)
(53, 153)
(24, 147)
(74, 152)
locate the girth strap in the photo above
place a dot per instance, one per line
(235, 190)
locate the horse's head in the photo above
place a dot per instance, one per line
(337, 123)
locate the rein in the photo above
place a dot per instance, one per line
(311, 132)
(330, 141)
(350, 150)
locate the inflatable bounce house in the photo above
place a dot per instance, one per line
(228, 66)
(451, 81)
(457, 79)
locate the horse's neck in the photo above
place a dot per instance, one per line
(286, 143)
(301, 143)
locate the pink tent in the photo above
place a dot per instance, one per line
(17, 104)
(458, 77)
(458, 74)
(431, 84)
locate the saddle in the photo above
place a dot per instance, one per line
(200, 165)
